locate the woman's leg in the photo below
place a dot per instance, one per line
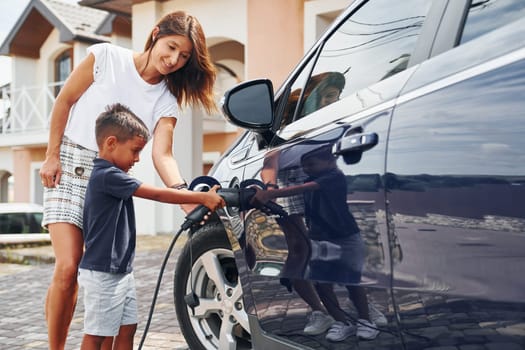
(307, 292)
(329, 299)
(358, 296)
(61, 296)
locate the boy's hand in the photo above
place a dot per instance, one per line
(212, 200)
(188, 207)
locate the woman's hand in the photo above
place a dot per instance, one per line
(50, 172)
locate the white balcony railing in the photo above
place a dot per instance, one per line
(26, 109)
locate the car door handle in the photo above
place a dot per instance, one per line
(352, 146)
(355, 143)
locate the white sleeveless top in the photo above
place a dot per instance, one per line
(116, 80)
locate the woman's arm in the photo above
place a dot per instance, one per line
(162, 152)
(76, 84)
(163, 159)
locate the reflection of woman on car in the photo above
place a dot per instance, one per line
(321, 90)
(326, 89)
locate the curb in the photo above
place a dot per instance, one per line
(9, 257)
(41, 252)
(28, 253)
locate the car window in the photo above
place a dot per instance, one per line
(487, 15)
(288, 114)
(374, 43)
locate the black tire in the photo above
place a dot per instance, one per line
(220, 321)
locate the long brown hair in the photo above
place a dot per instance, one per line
(193, 83)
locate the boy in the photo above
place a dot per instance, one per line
(105, 271)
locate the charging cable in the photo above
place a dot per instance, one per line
(193, 218)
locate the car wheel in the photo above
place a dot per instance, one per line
(219, 321)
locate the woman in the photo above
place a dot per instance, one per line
(174, 70)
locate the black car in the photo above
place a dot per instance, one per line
(385, 183)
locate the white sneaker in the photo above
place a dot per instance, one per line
(366, 329)
(318, 323)
(376, 316)
(340, 331)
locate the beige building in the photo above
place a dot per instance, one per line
(247, 39)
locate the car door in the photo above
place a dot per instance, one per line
(455, 187)
(365, 61)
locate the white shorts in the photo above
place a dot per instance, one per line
(65, 203)
(110, 301)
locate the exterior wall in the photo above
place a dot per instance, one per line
(318, 15)
(79, 52)
(24, 71)
(121, 41)
(23, 158)
(144, 15)
(50, 49)
(6, 169)
(219, 142)
(221, 20)
(6, 160)
(275, 38)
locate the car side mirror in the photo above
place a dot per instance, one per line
(250, 105)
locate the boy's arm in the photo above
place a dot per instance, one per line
(209, 199)
(262, 196)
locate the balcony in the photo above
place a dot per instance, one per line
(25, 113)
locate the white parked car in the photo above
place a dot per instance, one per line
(21, 222)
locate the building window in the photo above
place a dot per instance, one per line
(63, 67)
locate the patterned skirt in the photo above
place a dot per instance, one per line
(65, 202)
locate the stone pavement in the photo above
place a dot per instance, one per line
(23, 288)
(432, 322)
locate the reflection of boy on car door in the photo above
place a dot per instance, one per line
(321, 90)
(330, 225)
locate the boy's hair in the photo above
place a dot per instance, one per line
(118, 120)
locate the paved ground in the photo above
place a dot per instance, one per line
(433, 322)
(23, 288)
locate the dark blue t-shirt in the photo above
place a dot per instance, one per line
(109, 220)
(326, 211)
